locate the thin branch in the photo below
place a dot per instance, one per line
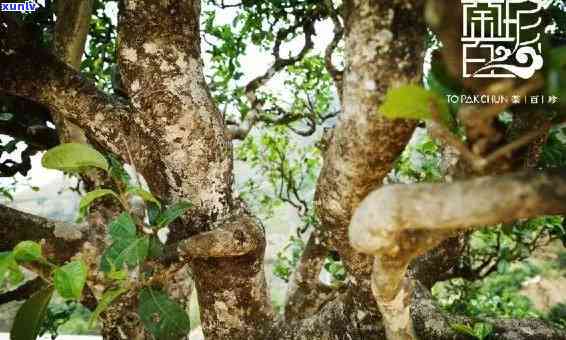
(336, 74)
(306, 293)
(516, 144)
(476, 117)
(224, 5)
(241, 131)
(479, 163)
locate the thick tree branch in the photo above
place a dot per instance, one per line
(71, 30)
(188, 157)
(394, 224)
(62, 239)
(380, 223)
(232, 290)
(337, 319)
(384, 46)
(35, 74)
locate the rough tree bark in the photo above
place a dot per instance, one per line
(182, 148)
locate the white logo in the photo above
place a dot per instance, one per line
(501, 38)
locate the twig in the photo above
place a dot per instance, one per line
(507, 149)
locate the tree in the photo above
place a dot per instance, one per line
(163, 118)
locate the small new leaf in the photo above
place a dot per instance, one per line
(171, 213)
(144, 194)
(117, 170)
(462, 329)
(70, 279)
(413, 102)
(28, 251)
(90, 197)
(73, 157)
(161, 316)
(30, 316)
(107, 298)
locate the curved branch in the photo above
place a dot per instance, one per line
(381, 221)
(71, 30)
(395, 225)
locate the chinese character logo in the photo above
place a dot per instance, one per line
(502, 38)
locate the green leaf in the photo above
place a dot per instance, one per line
(73, 157)
(155, 247)
(171, 213)
(28, 251)
(16, 276)
(482, 330)
(116, 275)
(161, 316)
(462, 329)
(9, 266)
(30, 316)
(6, 259)
(555, 81)
(117, 170)
(70, 279)
(90, 197)
(107, 298)
(152, 213)
(126, 251)
(413, 102)
(144, 194)
(122, 227)
(126, 248)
